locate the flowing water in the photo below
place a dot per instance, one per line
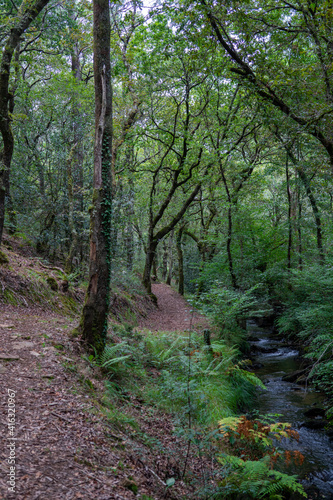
(275, 360)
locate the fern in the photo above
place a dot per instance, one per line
(254, 480)
(114, 356)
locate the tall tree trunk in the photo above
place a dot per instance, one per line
(150, 255)
(180, 260)
(231, 203)
(93, 324)
(290, 236)
(229, 253)
(75, 170)
(170, 258)
(12, 219)
(299, 233)
(155, 265)
(71, 222)
(129, 236)
(165, 260)
(314, 206)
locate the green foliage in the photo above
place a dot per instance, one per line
(229, 309)
(249, 479)
(114, 359)
(217, 384)
(309, 315)
(248, 468)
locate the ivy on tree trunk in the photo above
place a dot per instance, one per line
(93, 326)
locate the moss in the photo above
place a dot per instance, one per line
(69, 303)
(10, 297)
(3, 258)
(53, 284)
(75, 332)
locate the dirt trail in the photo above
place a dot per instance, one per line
(57, 447)
(60, 443)
(173, 313)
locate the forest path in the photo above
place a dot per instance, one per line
(173, 312)
(59, 443)
(52, 434)
(62, 441)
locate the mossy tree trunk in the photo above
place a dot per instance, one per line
(93, 325)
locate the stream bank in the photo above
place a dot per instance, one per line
(275, 362)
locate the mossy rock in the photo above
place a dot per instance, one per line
(3, 258)
(53, 284)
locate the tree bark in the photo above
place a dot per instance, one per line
(154, 239)
(180, 260)
(71, 222)
(165, 260)
(305, 181)
(129, 236)
(170, 259)
(150, 255)
(231, 204)
(75, 171)
(290, 236)
(93, 324)
(299, 234)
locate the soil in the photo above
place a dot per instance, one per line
(60, 444)
(173, 312)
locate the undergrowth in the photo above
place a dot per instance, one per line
(309, 316)
(200, 385)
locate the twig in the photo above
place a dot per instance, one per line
(53, 268)
(60, 416)
(150, 470)
(59, 430)
(88, 475)
(154, 474)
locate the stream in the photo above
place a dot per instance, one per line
(273, 359)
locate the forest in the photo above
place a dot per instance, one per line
(166, 192)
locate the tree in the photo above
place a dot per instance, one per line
(26, 14)
(183, 155)
(93, 325)
(302, 30)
